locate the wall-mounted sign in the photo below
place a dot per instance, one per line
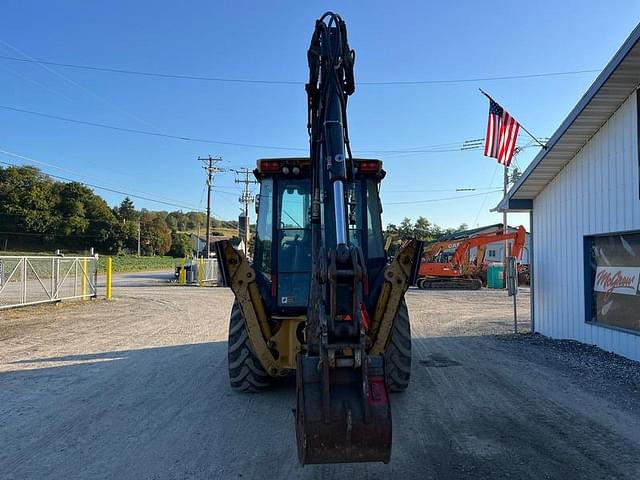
(613, 264)
(620, 280)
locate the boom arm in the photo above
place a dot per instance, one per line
(343, 412)
(518, 237)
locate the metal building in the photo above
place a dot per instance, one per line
(583, 196)
(494, 251)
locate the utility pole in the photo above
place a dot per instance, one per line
(246, 198)
(211, 169)
(139, 227)
(504, 220)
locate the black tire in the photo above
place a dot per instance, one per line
(398, 355)
(246, 373)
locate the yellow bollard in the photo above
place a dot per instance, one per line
(85, 273)
(182, 278)
(109, 268)
(201, 272)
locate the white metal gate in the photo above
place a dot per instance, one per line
(29, 280)
(210, 270)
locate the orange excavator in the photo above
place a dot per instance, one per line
(442, 269)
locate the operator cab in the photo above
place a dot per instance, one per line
(282, 254)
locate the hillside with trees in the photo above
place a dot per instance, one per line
(38, 213)
(422, 229)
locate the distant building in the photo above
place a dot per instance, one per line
(495, 251)
(582, 193)
(199, 243)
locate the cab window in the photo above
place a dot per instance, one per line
(264, 228)
(375, 242)
(294, 243)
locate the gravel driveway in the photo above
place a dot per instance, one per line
(137, 388)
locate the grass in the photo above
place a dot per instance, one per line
(121, 264)
(131, 263)
(229, 232)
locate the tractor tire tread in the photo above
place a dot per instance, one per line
(246, 374)
(398, 353)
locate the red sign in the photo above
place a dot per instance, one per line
(619, 280)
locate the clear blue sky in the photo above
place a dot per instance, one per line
(268, 40)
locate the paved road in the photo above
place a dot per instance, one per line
(137, 388)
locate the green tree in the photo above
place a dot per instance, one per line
(195, 219)
(423, 229)
(127, 210)
(104, 230)
(180, 245)
(26, 201)
(155, 234)
(70, 211)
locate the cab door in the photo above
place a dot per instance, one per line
(293, 243)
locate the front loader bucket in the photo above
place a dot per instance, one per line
(350, 422)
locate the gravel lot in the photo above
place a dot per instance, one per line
(138, 388)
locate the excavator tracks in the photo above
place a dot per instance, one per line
(449, 284)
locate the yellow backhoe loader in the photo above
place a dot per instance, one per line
(320, 298)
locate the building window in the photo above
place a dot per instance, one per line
(612, 273)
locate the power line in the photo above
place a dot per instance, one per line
(466, 189)
(289, 82)
(35, 82)
(30, 59)
(441, 199)
(493, 177)
(211, 169)
(405, 152)
(146, 132)
(246, 199)
(81, 174)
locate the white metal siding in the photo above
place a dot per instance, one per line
(498, 249)
(597, 192)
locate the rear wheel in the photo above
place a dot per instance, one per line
(398, 355)
(246, 374)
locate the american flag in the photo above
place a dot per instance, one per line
(502, 134)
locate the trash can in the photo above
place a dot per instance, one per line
(495, 275)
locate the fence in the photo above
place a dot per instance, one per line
(210, 269)
(198, 271)
(34, 279)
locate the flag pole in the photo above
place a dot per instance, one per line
(521, 126)
(505, 227)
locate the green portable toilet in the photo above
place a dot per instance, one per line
(495, 275)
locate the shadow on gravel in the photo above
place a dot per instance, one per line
(150, 275)
(76, 358)
(477, 408)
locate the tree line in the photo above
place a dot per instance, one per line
(38, 213)
(422, 229)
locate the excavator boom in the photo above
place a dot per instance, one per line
(456, 272)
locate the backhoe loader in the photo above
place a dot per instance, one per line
(320, 298)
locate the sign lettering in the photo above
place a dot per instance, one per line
(619, 280)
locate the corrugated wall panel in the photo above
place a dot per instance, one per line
(597, 192)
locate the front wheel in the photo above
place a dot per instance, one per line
(398, 354)
(246, 373)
